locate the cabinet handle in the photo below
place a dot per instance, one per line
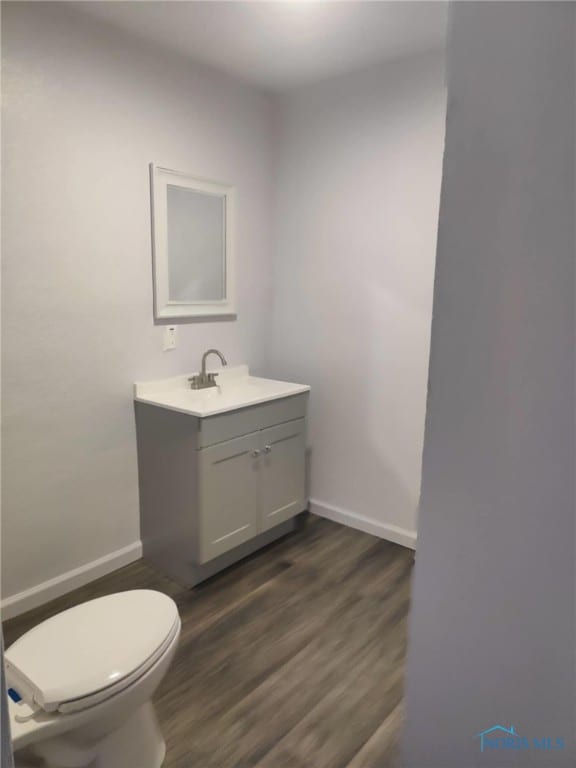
(267, 448)
(256, 453)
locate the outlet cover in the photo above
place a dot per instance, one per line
(170, 337)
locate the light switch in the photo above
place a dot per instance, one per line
(170, 337)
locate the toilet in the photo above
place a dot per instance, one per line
(80, 684)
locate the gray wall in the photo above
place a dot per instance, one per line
(85, 109)
(359, 163)
(492, 634)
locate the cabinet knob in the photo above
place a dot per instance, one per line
(255, 453)
(267, 448)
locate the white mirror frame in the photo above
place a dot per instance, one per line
(164, 309)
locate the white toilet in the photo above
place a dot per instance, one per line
(81, 683)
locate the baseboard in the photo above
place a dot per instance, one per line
(403, 536)
(60, 585)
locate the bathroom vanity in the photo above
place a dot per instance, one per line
(221, 470)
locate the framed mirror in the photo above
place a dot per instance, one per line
(192, 237)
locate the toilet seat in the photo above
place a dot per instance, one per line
(76, 705)
(90, 653)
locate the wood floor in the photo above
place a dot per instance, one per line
(293, 658)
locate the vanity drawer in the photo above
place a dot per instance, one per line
(226, 426)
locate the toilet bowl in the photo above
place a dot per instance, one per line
(81, 683)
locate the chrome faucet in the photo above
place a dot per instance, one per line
(203, 379)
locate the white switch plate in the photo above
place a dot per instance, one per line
(170, 337)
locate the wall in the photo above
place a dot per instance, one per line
(85, 110)
(492, 631)
(359, 163)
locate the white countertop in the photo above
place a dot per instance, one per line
(236, 389)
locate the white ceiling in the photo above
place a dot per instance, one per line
(279, 45)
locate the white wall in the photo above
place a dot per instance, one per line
(359, 169)
(347, 170)
(493, 624)
(85, 110)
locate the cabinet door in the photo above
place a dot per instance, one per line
(282, 472)
(228, 485)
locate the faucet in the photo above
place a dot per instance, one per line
(204, 380)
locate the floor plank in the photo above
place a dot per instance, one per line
(293, 658)
(381, 749)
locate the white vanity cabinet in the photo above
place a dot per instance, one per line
(215, 489)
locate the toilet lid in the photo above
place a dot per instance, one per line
(90, 647)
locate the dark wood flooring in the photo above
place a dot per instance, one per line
(293, 658)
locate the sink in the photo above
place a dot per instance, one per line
(236, 389)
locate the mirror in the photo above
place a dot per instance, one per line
(192, 241)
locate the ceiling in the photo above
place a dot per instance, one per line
(280, 45)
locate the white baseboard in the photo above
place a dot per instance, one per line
(403, 536)
(60, 585)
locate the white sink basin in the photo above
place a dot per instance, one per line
(236, 389)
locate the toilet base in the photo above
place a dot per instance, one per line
(137, 743)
